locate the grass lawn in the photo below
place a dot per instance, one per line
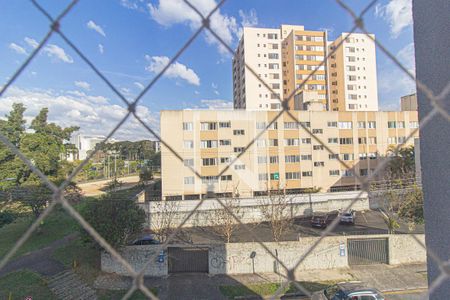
(83, 258)
(267, 289)
(22, 284)
(57, 225)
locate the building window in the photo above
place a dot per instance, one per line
(238, 149)
(332, 124)
(372, 124)
(306, 157)
(260, 125)
(261, 143)
(209, 179)
(274, 66)
(318, 147)
(345, 125)
(401, 139)
(225, 124)
(361, 124)
(208, 144)
(188, 126)
(239, 132)
(392, 140)
(363, 172)
(401, 124)
(319, 164)
(362, 141)
(188, 162)
(307, 174)
(262, 159)
(333, 156)
(392, 124)
(225, 142)
(346, 141)
(274, 159)
(291, 142)
(290, 125)
(305, 124)
(239, 167)
(188, 144)
(208, 126)
(347, 173)
(362, 156)
(373, 140)
(292, 159)
(317, 131)
(333, 140)
(306, 141)
(262, 177)
(292, 175)
(372, 155)
(273, 142)
(226, 178)
(273, 56)
(272, 36)
(413, 124)
(347, 156)
(225, 160)
(334, 172)
(209, 161)
(189, 180)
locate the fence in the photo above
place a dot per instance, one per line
(237, 258)
(430, 108)
(250, 208)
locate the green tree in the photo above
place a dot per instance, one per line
(104, 215)
(411, 208)
(44, 146)
(401, 162)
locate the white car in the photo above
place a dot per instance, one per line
(347, 217)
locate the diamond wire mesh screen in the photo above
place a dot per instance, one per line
(289, 275)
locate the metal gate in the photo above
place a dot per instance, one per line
(368, 251)
(188, 260)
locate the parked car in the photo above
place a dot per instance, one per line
(347, 217)
(355, 290)
(147, 239)
(319, 220)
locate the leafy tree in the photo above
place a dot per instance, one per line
(45, 147)
(411, 208)
(145, 175)
(104, 215)
(401, 162)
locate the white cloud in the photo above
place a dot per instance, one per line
(249, 19)
(57, 53)
(139, 85)
(214, 85)
(94, 114)
(91, 25)
(398, 13)
(216, 104)
(31, 42)
(175, 70)
(197, 92)
(83, 84)
(170, 12)
(393, 82)
(18, 49)
(101, 49)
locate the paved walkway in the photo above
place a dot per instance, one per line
(203, 286)
(39, 261)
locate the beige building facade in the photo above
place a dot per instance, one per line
(219, 146)
(293, 61)
(409, 102)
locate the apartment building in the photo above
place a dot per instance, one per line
(353, 73)
(293, 61)
(260, 49)
(409, 102)
(284, 156)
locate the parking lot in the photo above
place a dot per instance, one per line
(366, 222)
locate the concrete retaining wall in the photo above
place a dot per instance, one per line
(234, 258)
(250, 208)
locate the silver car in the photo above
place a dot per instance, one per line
(355, 290)
(347, 217)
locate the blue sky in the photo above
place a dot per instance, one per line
(130, 40)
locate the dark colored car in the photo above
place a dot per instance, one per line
(145, 240)
(320, 221)
(348, 291)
